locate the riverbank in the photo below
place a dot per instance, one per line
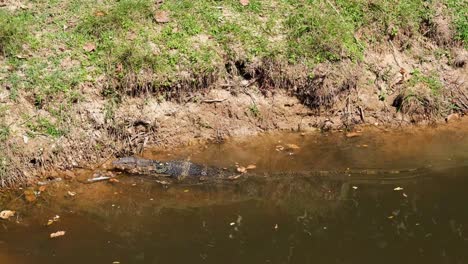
(280, 204)
(95, 81)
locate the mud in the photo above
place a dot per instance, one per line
(341, 96)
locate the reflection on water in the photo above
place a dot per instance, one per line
(287, 218)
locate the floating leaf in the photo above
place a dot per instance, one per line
(352, 134)
(57, 234)
(251, 167)
(292, 147)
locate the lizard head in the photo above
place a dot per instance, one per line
(161, 167)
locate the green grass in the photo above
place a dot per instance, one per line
(431, 81)
(43, 45)
(459, 9)
(43, 125)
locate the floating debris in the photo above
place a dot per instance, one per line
(251, 167)
(57, 234)
(6, 214)
(355, 187)
(352, 134)
(292, 147)
(98, 179)
(398, 189)
(241, 169)
(53, 220)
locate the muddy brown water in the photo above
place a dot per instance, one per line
(281, 219)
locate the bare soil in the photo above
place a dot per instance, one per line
(339, 97)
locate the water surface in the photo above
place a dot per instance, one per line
(281, 219)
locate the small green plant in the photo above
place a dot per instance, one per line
(45, 126)
(460, 17)
(254, 110)
(12, 32)
(4, 132)
(431, 81)
(3, 168)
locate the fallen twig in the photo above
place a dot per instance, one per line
(98, 179)
(210, 101)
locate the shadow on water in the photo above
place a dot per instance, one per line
(278, 217)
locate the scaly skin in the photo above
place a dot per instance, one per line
(185, 169)
(175, 169)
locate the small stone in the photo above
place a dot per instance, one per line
(452, 117)
(114, 180)
(69, 175)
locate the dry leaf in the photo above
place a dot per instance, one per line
(29, 195)
(352, 134)
(292, 147)
(99, 14)
(89, 47)
(244, 2)
(241, 169)
(42, 188)
(251, 167)
(6, 214)
(161, 16)
(279, 148)
(57, 234)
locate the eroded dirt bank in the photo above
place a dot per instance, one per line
(340, 97)
(211, 117)
(81, 83)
